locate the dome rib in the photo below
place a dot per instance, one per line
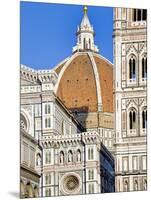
(97, 80)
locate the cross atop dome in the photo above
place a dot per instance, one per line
(85, 35)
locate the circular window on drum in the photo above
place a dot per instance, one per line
(71, 184)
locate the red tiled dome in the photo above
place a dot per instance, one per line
(78, 82)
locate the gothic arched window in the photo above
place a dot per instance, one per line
(132, 119)
(144, 67)
(144, 118)
(132, 68)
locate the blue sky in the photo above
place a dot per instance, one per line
(48, 32)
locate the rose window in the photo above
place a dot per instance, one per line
(71, 184)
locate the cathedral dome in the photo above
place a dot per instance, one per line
(85, 80)
(85, 83)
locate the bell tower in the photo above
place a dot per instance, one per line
(130, 84)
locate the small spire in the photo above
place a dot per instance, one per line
(85, 9)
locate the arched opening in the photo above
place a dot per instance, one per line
(89, 44)
(132, 119)
(144, 67)
(144, 119)
(29, 191)
(132, 68)
(84, 43)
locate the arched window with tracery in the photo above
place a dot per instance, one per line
(132, 119)
(144, 118)
(144, 67)
(132, 68)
